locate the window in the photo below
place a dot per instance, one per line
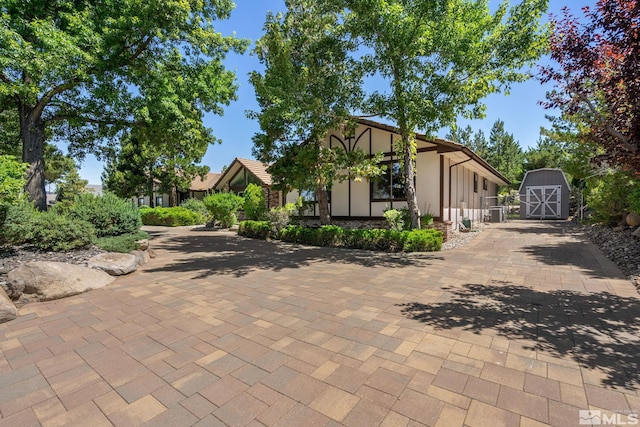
(389, 185)
(240, 180)
(140, 201)
(485, 184)
(475, 182)
(308, 196)
(158, 201)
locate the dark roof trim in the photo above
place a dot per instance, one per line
(444, 146)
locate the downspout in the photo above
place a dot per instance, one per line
(451, 167)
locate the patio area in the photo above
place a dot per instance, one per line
(527, 325)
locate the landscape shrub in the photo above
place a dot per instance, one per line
(109, 214)
(53, 232)
(223, 207)
(18, 222)
(124, 243)
(395, 219)
(254, 202)
(197, 206)
(12, 182)
(255, 229)
(170, 217)
(280, 217)
(372, 239)
(609, 200)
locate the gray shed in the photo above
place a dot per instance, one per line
(544, 194)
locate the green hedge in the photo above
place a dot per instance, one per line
(255, 229)
(377, 239)
(171, 217)
(108, 213)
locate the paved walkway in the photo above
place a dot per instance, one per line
(524, 326)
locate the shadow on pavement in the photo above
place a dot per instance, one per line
(599, 330)
(221, 255)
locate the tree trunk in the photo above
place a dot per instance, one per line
(32, 135)
(323, 205)
(409, 185)
(152, 202)
(173, 196)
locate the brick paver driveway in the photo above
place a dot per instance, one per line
(525, 326)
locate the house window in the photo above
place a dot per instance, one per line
(159, 201)
(240, 180)
(475, 182)
(389, 185)
(485, 184)
(308, 196)
(140, 201)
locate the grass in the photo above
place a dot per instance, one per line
(124, 243)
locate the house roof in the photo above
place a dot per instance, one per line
(457, 151)
(199, 184)
(257, 168)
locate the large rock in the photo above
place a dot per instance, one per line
(142, 256)
(114, 263)
(633, 219)
(7, 309)
(52, 280)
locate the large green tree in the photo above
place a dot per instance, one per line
(309, 87)
(80, 70)
(438, 59)
(504, 153)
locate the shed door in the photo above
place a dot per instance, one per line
(544, 202)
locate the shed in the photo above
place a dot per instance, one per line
(544, 194)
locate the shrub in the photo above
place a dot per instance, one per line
(18, 222)
(124, 243)
(170, 217)
(255, 229)
(610, 198)
(280, 217)
(197, 206)
(223, 207)
(254, 202)
(422, 241)
(395, 219)
(12, 179)
(109, 214)
(53, 232)
(376, 239)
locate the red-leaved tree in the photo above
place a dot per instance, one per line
(597, 76)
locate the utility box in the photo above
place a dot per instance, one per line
(496, 215)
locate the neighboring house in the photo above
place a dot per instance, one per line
(243, 172)
(197, 189)
(452, 182)
(94, 189)
(544, 194)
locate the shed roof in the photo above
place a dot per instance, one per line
(534, 171)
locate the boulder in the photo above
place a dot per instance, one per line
(636, 233)
(114, 263)
(143, 244)
(8, 311)
(152, 253)
(142, 256)
(52, 280)
(633, 219)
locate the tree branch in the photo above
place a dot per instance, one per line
(5, 79)
(624, 141)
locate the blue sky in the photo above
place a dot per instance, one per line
(520, 111)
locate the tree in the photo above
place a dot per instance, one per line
(476, 142)
(504, 153)
(309, 87)
(596, 78)
(546, 154)
(80, 71)
(439, 59)
(69, 186)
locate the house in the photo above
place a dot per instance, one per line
(544, 194)
(197, 189)
(452, 182)
(241, 173)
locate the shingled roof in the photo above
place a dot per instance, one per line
(199, 184)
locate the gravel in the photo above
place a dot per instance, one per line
(459, 239)
(620, 246)
(11, 258)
